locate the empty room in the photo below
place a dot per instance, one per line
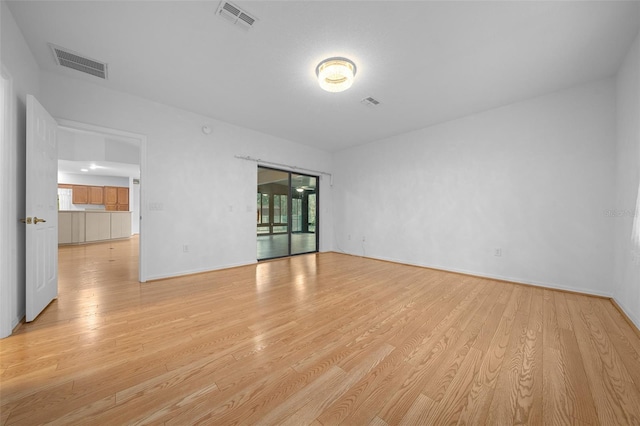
(320, 212)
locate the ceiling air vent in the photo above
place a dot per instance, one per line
(370, 101)
(236, 15)
(67, 58)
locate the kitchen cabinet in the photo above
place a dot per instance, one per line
(96, 195)
(120, 225)
(98, 226)
(76, 227)
(71, 227)
(110, 196)
(80, 194)
(123, 199)
(85, 194)
(123, 195)
(116, 198)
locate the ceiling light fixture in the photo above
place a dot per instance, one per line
(336, 74)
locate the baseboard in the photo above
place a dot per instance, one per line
(510, 280)
(632, 320)
(199, 271)
(18, 324)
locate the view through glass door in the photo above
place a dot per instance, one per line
(287, 214)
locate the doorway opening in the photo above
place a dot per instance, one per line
(109, 163)
(287, 213)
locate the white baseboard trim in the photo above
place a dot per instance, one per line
(515, 280)
(625, 309)
(199, 271)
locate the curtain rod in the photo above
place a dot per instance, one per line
(292, 168)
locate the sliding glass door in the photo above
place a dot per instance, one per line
(304, 190)
(287, 213)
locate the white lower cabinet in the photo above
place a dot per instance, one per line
(88, 226)
(98, 226)
(120, 225)
(71, 227)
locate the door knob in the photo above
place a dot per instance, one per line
(36, 220)
(27, 220)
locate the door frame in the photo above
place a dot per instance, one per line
(76, 125)
(8, 224)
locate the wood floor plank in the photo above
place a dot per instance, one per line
(555, 405)
(623, 347)
(505, 396)
(529, 397)
(562, 311)
(580, 399)
(377, 421)
(320, 339)
(609, 393)
(321, 400)
(418, 412)
(452, 402)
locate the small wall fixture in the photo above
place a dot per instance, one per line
(336, 74)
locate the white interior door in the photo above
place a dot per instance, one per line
(41, 224)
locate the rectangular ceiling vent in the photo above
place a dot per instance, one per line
(370, 101)
(67, 58)
(235, 15)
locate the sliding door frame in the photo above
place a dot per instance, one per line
(290, 174)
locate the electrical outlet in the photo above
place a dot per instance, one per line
(349, 237)
(185, 248)
(497, 252)
(364, 238)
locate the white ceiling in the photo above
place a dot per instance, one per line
(426, 62)
(98, 168)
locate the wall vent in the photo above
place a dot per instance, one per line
(67, 58)
(370, 101)
(235, 15)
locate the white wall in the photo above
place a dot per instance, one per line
(531, 178)
(78, 179)
(89, 146)
(21, 66)
(207, 197)
(626, 211)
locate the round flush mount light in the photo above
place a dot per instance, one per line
(336, 74)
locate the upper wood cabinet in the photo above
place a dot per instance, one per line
(96, 195)
(80, 194)
(110, 196)
(123, 195)
(116, 198)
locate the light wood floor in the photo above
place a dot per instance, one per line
(319, 339)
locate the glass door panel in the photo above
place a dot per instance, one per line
(273, 224)
(304, 190)
(287, 215)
